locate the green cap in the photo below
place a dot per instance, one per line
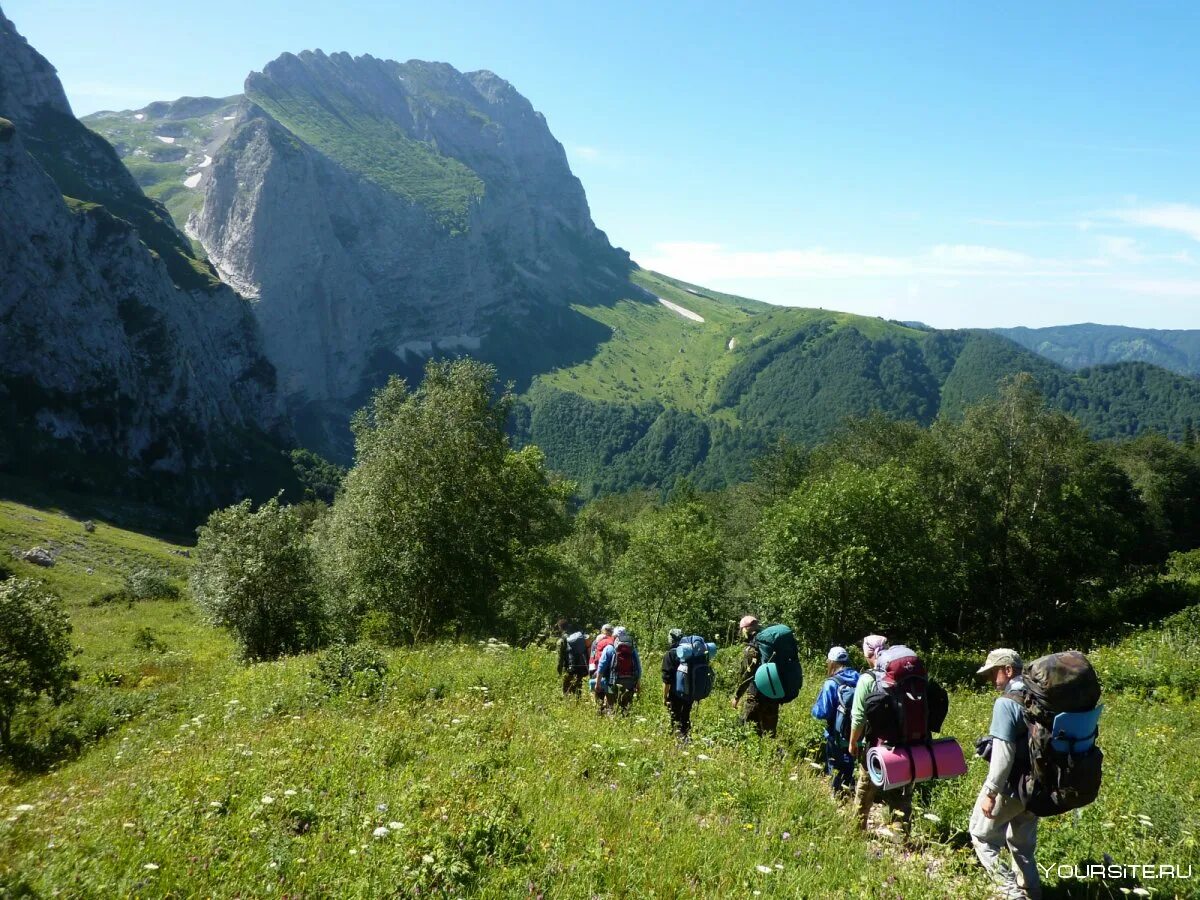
(998, 659)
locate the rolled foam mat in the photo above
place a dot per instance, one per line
(895, 767)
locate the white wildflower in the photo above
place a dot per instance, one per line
(128, 825)
(289, 793)
(427, 859)
(151, 867)
(25, 807)
(267, 800)
(395, 826)
(703, 756)
(932, 818)
(766, 870)
(381, 832)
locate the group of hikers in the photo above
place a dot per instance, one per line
(879, 725)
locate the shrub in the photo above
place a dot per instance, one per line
(357, 669)
(255, 575)
(35, 649)
(148, 584)
(146, 639)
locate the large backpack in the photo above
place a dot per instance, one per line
(905, 706)
(601, 642)
(577, 653)
(779, 676)
(623, 666)
(1062, 712)
(693, 676)
(842, 714)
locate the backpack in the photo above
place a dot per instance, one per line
(623, 666)
(577, 655)
(1062, 712)
(779, 676)
(904, 707)
(841, 717)
(693, 676)
(602, 641)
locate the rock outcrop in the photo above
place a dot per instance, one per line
(381, 212)
(118, 348)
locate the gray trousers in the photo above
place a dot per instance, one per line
(1015, 828)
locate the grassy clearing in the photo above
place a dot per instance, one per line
(214, 778)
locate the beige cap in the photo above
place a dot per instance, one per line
(999, 658)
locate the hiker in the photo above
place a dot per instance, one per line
(679, 706)
(618, 672)
(834, 706)
(999, 817)
(898, 801)
(572, 658)
(603, 639)
(762, 711)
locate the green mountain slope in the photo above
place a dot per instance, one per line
(667, 396)
(169, 147)
(1080, 346)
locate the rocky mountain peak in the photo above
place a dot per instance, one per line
(28, 83)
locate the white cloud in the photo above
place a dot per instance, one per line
(1179, 217)
(973, 254)
(1162, 287)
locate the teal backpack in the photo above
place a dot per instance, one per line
(779, 676)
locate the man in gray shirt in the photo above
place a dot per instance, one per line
(999, 817)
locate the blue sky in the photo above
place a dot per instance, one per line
(962, 164)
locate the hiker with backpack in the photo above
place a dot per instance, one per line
(618, 672)
(603, 639)
(866, 794)
(1042, 756)
(770, 674)
(763, 712)
(687, 677)
(572, 658)
(999, 817)
(834, 707)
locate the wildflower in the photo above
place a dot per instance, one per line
(128, 825)
(1141, 892)
(381, 807)
(380, 832)
(456, 721)
(793, 777)
(267, 800)
(779, 866)
(622, 765)
(151, 867)
(766, 870)
(395, 826)
(749, 826)
(702, 756)
(25, 807)
(786, 836)
(932, 818)
(427, 859)
(289, 793)
(215, 804)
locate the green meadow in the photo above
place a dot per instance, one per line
(177, 770)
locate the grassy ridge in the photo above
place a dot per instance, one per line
(222, 779)
(375, 147)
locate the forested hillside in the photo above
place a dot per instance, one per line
(1081, 346)
(668, 396)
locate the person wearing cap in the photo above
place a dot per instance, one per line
(842, 681)
(679, 706)
(618, 672)
(763, 712)
(898, 800)
(999, 818)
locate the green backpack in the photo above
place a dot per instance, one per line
(779, 676)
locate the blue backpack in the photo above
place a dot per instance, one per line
(841, 716)
(693, 677)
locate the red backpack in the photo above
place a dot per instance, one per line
(897, 709)
(623, 666)
(598, 650)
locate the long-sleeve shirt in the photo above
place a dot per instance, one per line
(608, 661)
(670, 665)
(866, 684)
(750, 663)
(1008, 730)
(826, 706)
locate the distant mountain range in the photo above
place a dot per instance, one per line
(375, 214)
(1080, 346)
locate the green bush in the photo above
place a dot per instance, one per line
(255, 575)
(35, 649)
(148, 584)
(356, 669)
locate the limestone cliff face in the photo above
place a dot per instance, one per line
(379, 212)
(103, 352)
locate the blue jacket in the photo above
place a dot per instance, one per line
(826, 706)
(609, 658)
